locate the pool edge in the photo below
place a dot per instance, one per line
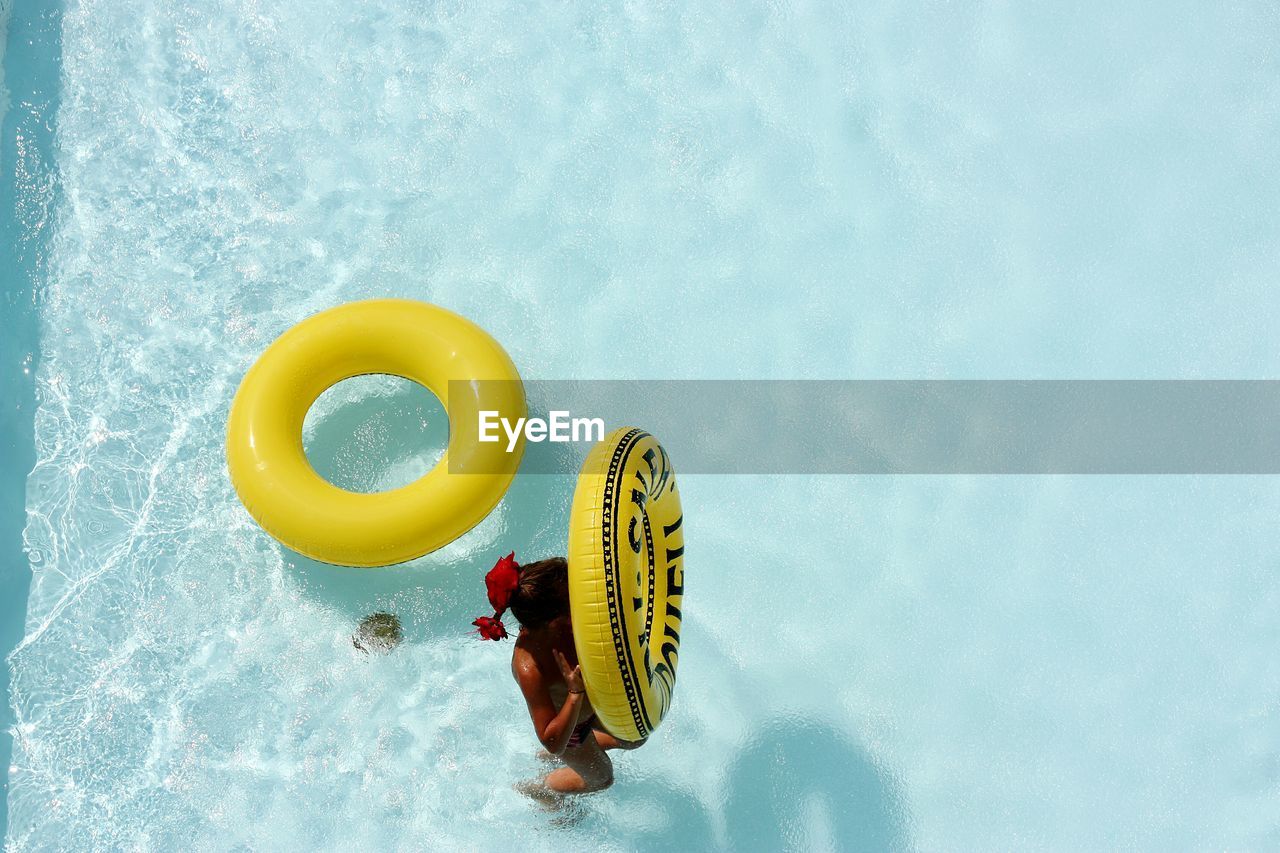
(32, 73)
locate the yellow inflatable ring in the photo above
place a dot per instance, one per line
(420, 342)
(626, 580)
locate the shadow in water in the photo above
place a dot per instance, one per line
(793, 781)
(798, 784)
(363, 442)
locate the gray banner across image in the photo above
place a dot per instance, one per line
(912, 426)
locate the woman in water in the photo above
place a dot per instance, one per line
(545, 665)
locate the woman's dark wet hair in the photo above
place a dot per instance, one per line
(543, 593)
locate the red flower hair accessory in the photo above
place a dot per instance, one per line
(490, 628)
(501, 583)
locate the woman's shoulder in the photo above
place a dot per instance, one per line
(524, 664)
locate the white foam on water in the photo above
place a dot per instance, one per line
(767, 191)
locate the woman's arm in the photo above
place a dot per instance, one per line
(553, 727)
(555, 735)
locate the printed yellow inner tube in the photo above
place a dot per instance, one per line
(420, 342)
(626, 580)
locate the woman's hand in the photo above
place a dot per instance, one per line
(572, 674)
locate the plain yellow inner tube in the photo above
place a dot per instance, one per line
(414, 340)
(626, 580)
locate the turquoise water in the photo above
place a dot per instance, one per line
(890, 190)
(28, 90)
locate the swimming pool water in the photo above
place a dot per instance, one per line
(883, 190)
(28, 91)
